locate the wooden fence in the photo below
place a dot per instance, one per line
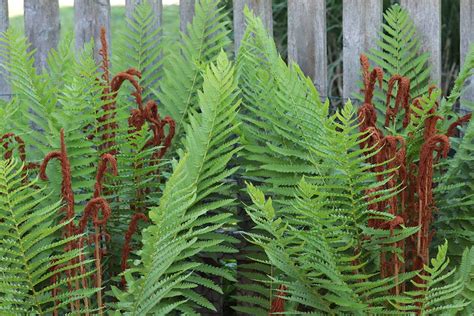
(306, 30)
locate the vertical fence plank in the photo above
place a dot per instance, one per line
(361, 21)
(307, 39)
(89, 17)
(42, 28)
(4, 86)
(261, 8)
(426, 15)
(104, 18)
(186, 13)
(467, 39)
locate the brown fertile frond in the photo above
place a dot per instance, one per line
(106, 159)
(460, 121)
(92, 211)
(401, 100)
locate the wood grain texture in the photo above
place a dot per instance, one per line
(467, 39)
(426, 14)
(89, 17)
(261, 8)
(307, 39)
(361, 21)
(4, 86)
(186, 13)
(42, 28)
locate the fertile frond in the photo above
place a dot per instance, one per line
(398, 52)
(182, 71)
(317, 243)
(190, 212)
(31, 249)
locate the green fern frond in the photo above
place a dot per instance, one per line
(140, 47)
(191, 209)
(282, 113)
(30, 247)
(433, 295)
(183, 70)
(398, 52)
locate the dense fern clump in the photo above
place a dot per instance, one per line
(186, 222)
(179, 182)
(31, 252)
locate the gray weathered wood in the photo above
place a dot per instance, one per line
(4, 86)
(42, 28)
(467, 39)
(307, 39)
(186, 13)
(261, 8)
(103, 18)
(89, 17)
(426, 15)
(361, 21)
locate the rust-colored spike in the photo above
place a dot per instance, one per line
(91, 211)
(460, 121)
(440, 145)
(66, 185)
(278, 303)
(106, 159)
(104, 53)
(401, 99)
(430, 126)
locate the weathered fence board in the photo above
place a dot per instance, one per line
(467, 39)
(4, 86)
(42, 27)
(307, 39)
(426, 15)
(89, 17)
(186, 13)
(261, 8)
(361, 21)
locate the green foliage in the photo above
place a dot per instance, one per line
(206, 36)
(317, 243)
(282, 113)
(31, 247)
(140, 47)
(398, 52)
(304, 232)
(456, 192)
(433, 295)
(192, 209)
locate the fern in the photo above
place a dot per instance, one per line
(317, 243)
(140, 48)
(432, 295)
(182, 71)
(30, 248)
(189, 214)
(398, 52)
(456, 189)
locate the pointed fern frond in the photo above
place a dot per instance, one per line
(31, 247)
(432, 294)
(140, 47)
(192, 208)
(183, 69)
